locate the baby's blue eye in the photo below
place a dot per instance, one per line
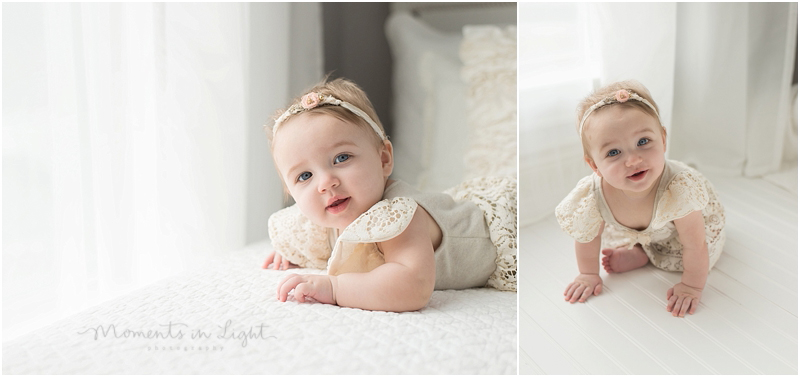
(341, 158)
(613, 152)
(304, 176)
(642, 141)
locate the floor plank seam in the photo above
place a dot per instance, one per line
(580, 329)
(745, 308)
(632, 340)
(702, 332)
(564, 352)
(533, 364)
(664, 333)
(776, 304)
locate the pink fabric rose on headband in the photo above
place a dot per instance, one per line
(622, 95)
(310, 100)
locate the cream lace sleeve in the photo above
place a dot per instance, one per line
(686, 193)
(299, 240)
(578, 214)
(355, 249)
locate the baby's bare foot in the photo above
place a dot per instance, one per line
(621, 259)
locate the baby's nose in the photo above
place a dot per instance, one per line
(633, 159)
(327, 181)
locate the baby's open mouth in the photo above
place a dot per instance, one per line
(638, 175)
(338, 205)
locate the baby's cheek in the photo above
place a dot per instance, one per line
(306, 207)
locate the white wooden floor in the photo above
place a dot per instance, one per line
(746, 324)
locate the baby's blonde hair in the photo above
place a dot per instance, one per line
(609, 91)
(344, 90)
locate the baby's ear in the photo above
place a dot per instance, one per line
(387, 158)
(592, 165)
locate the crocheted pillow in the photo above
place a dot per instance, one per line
(489, 54)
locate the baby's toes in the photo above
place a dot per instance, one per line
(606, 265)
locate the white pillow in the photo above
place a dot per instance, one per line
(447, 133)
(417, 51)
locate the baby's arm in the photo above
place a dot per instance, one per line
(404, 283)
(589, 281)
(685, 296)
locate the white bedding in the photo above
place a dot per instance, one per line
(458, 332)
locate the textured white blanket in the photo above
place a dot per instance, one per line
(224, 318)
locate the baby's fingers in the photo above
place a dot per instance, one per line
(677, 306)
(687, 302)
(280, 284)
(586, 293)
(277, 263)
(270, 257)
(681, 304)
(570, 288)
(301, 291)
(576, 295)
(598, 289)
(287, 284)
(306, 292)
(695, 304)
(671, 301)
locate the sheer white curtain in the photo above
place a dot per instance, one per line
(132, 144)
(721, 73)
(558, 64)
(733, 69)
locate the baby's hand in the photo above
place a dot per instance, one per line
(583, 287)
(682, 298)
(318, 288)
(278, 262)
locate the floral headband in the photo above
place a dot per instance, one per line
(313, 100)
(621, 96)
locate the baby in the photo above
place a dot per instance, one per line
(386, 246)
(638, 206)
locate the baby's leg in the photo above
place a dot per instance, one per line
(621, 259)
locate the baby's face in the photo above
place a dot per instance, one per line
(332, 169)
(627, 148)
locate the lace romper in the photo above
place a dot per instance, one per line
(477, 220)
(681, 190)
